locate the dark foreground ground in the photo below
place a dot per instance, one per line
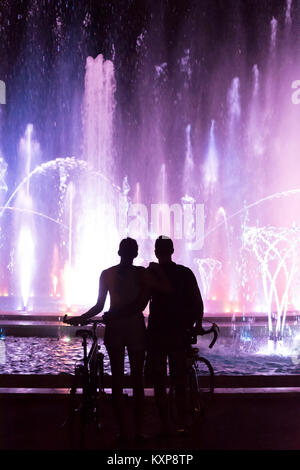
(233, 421)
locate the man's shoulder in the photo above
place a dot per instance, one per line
(140, 272)
(140, 268)
(184, 269)
(114, 269)
(186, 274)
(110, 270)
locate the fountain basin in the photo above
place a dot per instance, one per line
(243, 348)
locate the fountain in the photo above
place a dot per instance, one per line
(179, 141)
(207, 268)
(24, 222)
(96, 235)
(277, 251)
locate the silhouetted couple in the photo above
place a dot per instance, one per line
(175, 307)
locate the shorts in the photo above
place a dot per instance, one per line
(129, 332)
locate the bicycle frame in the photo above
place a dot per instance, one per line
(87, 358)
(196, 398)
(89, 377)
(90, 364)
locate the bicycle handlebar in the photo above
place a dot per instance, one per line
(66, 320)
(215, 330)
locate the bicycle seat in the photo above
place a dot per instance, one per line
(84, 333)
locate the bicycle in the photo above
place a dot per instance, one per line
(200, 378)
(89, 376)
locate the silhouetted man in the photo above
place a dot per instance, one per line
(125, 327)
(171, 315)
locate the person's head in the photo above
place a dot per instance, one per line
(164, 248)
(128, 249)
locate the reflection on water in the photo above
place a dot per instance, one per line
(44, 356)
(235, 354)
(247, 354)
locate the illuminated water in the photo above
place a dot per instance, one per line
(206, 118)
(43, 356)
(238, 351)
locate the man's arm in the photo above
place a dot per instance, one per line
(157, 280)
(152, 279)
(98, 307)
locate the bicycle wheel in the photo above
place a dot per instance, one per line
(201, 378)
